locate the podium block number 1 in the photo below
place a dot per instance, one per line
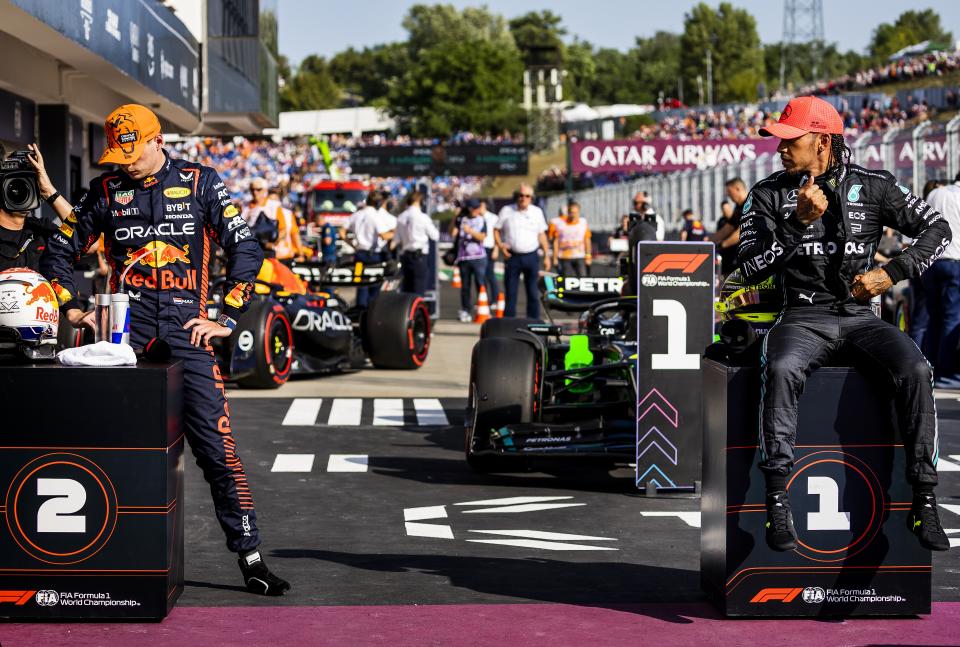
(828, 515)
(57, 514)
(676, 356)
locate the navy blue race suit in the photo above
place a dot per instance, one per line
(816, 265)
(161, 229)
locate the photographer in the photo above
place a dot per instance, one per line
(643, 210)
(23, 237)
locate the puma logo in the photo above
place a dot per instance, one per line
(808, 298)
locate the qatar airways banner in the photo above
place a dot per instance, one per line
(934, 153)
(661, 155)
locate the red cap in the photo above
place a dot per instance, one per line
(805, 115)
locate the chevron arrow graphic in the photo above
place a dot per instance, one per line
(659, 441)
(642, 479)
(656, 399)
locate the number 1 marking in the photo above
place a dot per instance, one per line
(829, 516)
(676, 356)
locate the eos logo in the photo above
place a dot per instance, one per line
(47, 598)
(814, 595)
(152, 231)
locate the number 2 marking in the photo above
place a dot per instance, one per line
(57, 514)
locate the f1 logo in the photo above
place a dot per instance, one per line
(19, 598)
(772, 595)
(687, 263)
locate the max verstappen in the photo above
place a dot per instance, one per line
(158, 217)
(816, 224)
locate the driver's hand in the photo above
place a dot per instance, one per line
(78, 318)
(874, 282)
(202, 331)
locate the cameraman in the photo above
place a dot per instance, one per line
(643, 210)
(23, 237)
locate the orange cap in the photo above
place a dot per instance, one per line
(805, 115)
(128, 128)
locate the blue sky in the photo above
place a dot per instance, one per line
(327, 26)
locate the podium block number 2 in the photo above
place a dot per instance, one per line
(676, 356)
(57, 514)
(828, 515)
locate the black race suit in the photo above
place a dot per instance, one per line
(161, 228)
(817, 264)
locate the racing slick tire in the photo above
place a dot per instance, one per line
(505, 327)
(396, 331)
(269, 324)
(504, 375)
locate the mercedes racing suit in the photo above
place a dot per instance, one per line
(161, 229)
(816, 265)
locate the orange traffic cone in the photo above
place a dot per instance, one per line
(501, 305)
(483, 306)
(456, 278)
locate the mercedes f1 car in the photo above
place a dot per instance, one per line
(548, 389)
(298, 323)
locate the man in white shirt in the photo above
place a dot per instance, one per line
(520, 233)
(490, 244)
(941, 287)
(372, 233)
(415, 230)
(263, 213)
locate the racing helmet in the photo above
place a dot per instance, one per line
(757, 303)
(29, 314)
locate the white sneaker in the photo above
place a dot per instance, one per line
(465, 317)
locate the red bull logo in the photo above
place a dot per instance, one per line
(42, 291)
(163, 280)
(157, 253)
(235, 297)
(63, 294)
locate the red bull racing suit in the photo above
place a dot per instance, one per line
(162, 229)
(817, 264)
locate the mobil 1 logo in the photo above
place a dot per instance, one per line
(674, 325)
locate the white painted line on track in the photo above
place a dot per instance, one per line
(955, 457)
(388, 412)
(347, 463)
(513, 500)
(293, 463)
(541, 534)
(542, 545)
(424, 513)
(430, 412)
(692, 519)
(303, 412)
(345, 412)
(944, 465)
(528, 507)
(952, 507)
(434, 530)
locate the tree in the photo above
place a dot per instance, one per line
(367, 74)
(463, 85)
(311, 87)
(430, 25)
(910, 28)
(539, 37)
(581, 68)
(464, 73)
(655, 62)
(730, 35)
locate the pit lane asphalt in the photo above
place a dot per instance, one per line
(417, 526)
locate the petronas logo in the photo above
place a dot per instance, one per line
(854, 194)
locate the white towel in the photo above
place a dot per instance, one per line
(103, 353)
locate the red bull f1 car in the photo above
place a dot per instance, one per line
(548, 389)
(298, 323)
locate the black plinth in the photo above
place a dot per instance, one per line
(91, 474)
(849, 496)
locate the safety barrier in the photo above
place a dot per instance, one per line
(703, 190)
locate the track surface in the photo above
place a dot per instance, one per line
(366, 505)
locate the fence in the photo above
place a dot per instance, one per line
(702, 190)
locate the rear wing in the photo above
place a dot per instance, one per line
(353, 274)
(572, 294)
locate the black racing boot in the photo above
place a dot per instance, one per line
(924, 522)
(780, 533)
(258, 577)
